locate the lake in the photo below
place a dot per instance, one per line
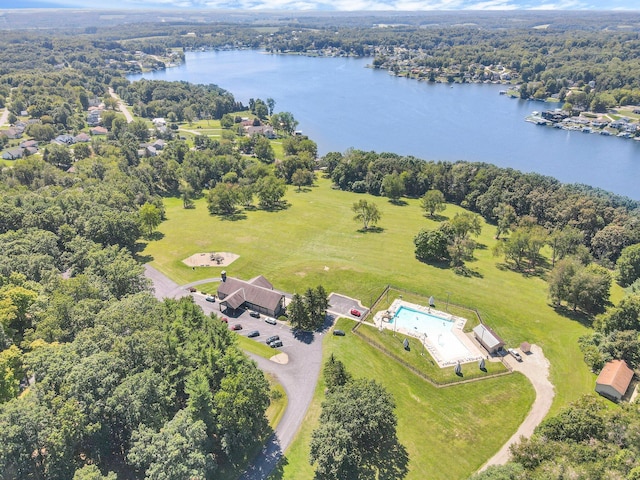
(339, 103)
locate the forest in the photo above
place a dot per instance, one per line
(98, 379)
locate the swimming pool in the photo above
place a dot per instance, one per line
(439, 333)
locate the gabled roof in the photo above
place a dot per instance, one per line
(261, 282)
(487, 336)
(617, 375)
(236, 292)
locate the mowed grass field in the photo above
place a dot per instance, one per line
(315, 241)
(448, 432)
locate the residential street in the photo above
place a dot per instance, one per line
(121, 106)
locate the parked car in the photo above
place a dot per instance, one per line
(224, 319)
(254, 333)
(339, 333)
(272, 339)
(210, 298)
(254, 314)
(270, 321)
(355, 312)
(275, 344)
(237, 326)
(192, 289)
(514, 353)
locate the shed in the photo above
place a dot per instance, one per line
(614, 380)
(525, 347)
(488, 338)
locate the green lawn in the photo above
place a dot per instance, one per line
(448, 432)
(315, 241)
(422, 361)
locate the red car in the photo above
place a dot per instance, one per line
(355, 312)
(237, 326)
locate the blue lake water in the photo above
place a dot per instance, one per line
(341, 104)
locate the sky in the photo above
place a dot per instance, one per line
(331, 5)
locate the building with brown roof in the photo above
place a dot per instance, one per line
(614, 380)
(256, 294)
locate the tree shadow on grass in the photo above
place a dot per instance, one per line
(374, 229)
(234, 217)
(437, 217)
(393, 461)
(398, 202)
(278, 207)
(155, 236)
(575, 315)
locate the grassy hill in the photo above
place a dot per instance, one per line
(315, 241)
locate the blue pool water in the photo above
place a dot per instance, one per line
(439, 332)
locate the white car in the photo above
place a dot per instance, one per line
(514, 353)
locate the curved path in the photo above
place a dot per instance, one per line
(298, 377)
(535, 367)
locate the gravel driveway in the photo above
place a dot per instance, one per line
(535, 367)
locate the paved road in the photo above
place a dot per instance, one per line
(121, 106)
(298, 377)
(536, 367)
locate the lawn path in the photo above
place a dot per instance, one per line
(536, 368)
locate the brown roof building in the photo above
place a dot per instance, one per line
(614, 380)
(256, 294)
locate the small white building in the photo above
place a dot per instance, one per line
(488, 338)
(614, 380)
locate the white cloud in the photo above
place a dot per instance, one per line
(355, 5)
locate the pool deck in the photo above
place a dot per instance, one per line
(381, 320)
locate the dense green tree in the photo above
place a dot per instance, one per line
(366, 212)
(222, 199)
(92, 472)
(393, 187)
(335, 374)
(11, 373)
(628, 265)
(176, 452)
(270, 192)
(510, 471)
(433, 201)
(586, 288)
(302, 178)
(506, 218)
(523, 247)
(431, 245)
(150, 217)
(263, 150)
(564, 241)
(357, 435)
(624, 316)
(297, 313)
